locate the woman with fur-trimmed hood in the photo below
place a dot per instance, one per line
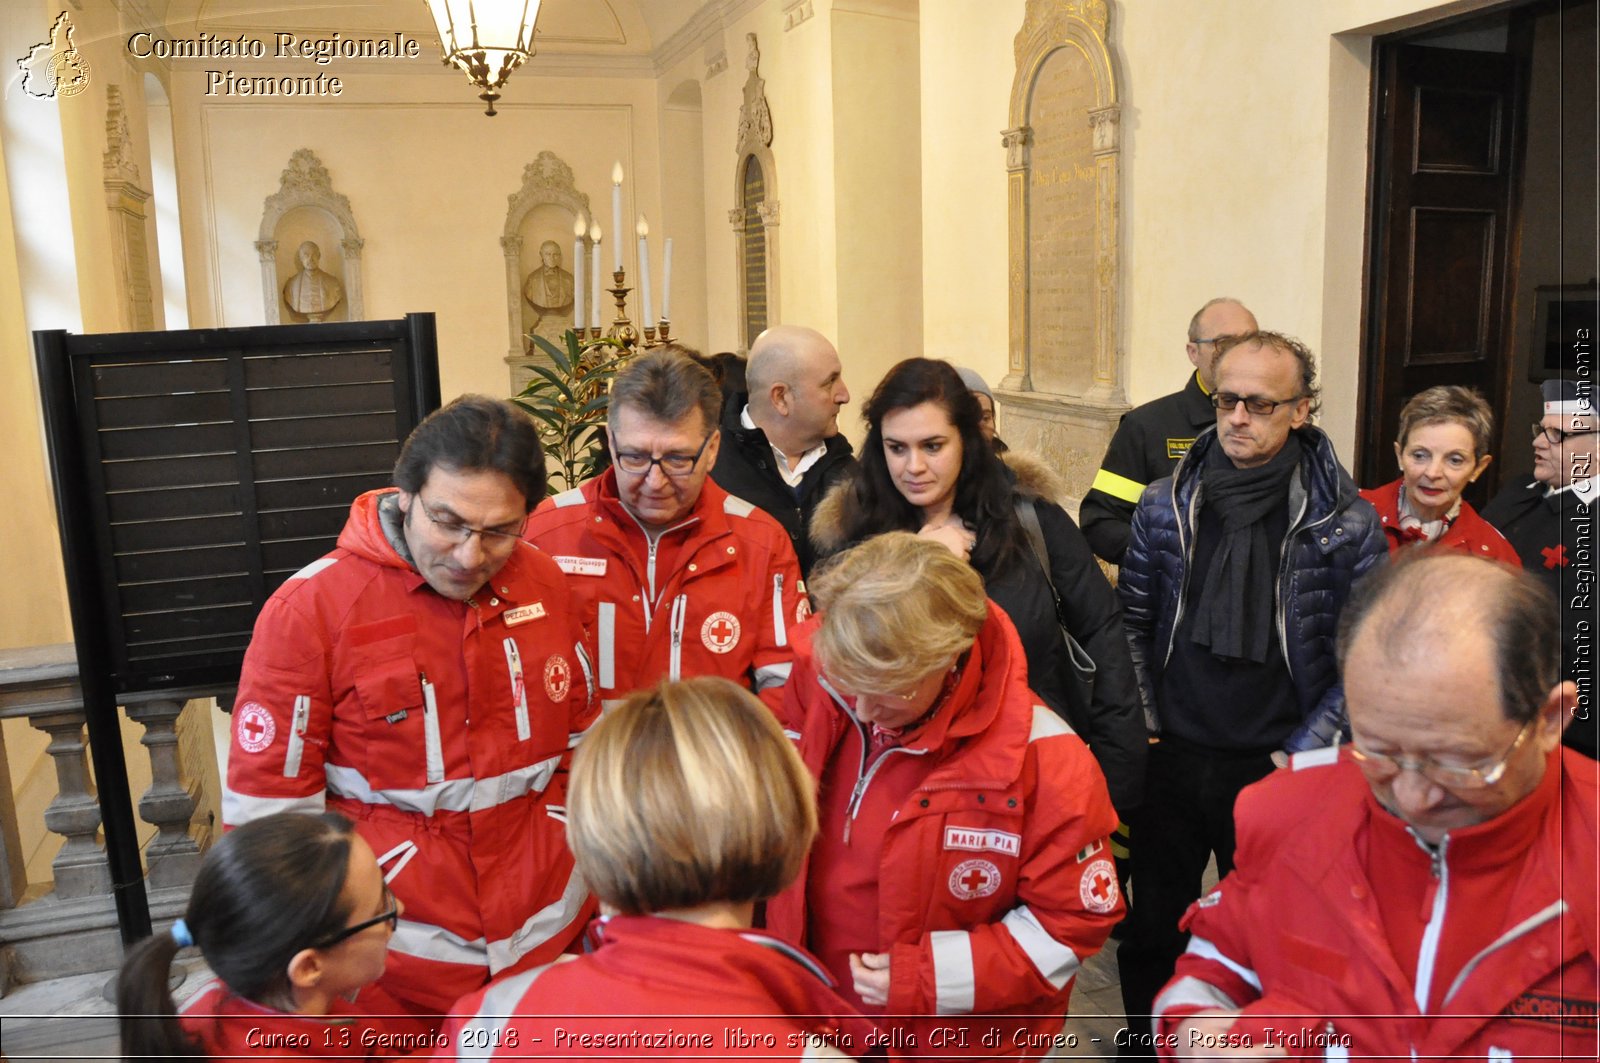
(926, 467)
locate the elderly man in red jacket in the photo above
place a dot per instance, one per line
(1428, 891)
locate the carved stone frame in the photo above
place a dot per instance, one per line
(755, 141)
(1051, 25)
(546, 181)
(305, 183)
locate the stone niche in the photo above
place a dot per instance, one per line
(306, 209)
(1063, 392)
(542, 212)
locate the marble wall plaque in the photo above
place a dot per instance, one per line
(1061, 225)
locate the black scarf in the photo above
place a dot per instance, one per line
(1234, 615)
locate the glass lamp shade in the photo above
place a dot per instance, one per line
(487, 39)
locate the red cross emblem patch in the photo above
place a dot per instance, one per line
(254, 727)
(1555, 556)
(1097, 889)
(557, 677)
(720, 632)
(973, 879)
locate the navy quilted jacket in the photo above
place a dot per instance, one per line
(1334, 539)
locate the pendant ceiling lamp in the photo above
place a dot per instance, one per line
(487, 39)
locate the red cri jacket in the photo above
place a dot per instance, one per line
(231, 1029)
(994, 882)
(721, 602)
(1468, 533)
(1336, 921)
(662, 987)
(442, 729)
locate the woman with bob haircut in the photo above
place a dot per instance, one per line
(293, 916)
(927, 467)
(687, 806)
(1442, 446)
(960, 874)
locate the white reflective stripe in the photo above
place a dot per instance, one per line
(1199, 946)
(1047, 724)
(199, 994)
(1553, 910)
(819, 1049)
(400, 856)
(1496, 1052)
(518, 782)
(588, 672)
(452, 796)
(1340, 1052)
(1189, 991)
(297, 736)
(428, 942)
(433, 748)
(477, 1039)
(779, 631)
(793, 736)
(519, 689)
(680, 611)
(955, 985)
(1314, 758)
(737, 506)
(607, 622)
(316, 566)
(238, 809)
(573, 497)
(546, 923)
(1055, 962)
(556, 812)
(610, 703)
(773, 675)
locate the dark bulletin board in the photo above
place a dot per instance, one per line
(215, 463)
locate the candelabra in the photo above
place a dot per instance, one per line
(622, 328)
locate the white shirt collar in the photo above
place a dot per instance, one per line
(793, 476)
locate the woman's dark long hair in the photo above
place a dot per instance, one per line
(984, 487)
(267, 890)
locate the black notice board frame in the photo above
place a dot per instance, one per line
(70, 366)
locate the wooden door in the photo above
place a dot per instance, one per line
(1446, 145)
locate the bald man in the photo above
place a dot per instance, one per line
(783, 450)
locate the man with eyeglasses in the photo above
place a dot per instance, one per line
(1238, 567)
(674, 576)
(1429, 890)
(1151, 438)
(427, 679)
(1551, 523)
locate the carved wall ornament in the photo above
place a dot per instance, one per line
(118, 160)
(306, 208)
(1063, 176)
(716, 64)
(126, 199)
(755, 190)
(755, 117)
(539, 279)
(795, 12)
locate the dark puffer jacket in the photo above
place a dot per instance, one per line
(1334, 539)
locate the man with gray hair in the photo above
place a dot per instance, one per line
(1152, 437)
(1427, 891)
(673, 576)
(784, 450)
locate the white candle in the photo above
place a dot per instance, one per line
(643, 229)
(666, 282)
(578, 229)
(616, 212)
(594, 275)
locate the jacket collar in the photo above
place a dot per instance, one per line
(1197, 403)
(1328, 487)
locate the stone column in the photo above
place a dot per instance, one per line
(80, 868)
(172, 857)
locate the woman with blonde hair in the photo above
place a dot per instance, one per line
(687, 807)
(1442, 446)
(960, 874)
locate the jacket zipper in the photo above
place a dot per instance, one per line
(779, 631)
(1430, 934)
(1183, 552)
(864, 774)
(297, 736)
(1277, 586)
(430, 732)
(519, 689)
(680, 609)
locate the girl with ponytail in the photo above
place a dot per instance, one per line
(293, 916)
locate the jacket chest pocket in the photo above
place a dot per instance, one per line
(976, 874)
(401, 713)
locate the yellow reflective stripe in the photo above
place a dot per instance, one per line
(1117, 486)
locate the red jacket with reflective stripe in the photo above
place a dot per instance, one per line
(231, 1029)
(995, 879)
(726, 608)
(442, 729)
(1296, 938)
(661, 987)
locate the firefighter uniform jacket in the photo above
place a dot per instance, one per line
(659, 987)
(442, 729)
(1296, 936)
(1145, 447)
(231, 1029)
(994, 882)
(724, 606)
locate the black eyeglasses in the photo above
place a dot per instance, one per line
(392, 917)
(456, 532)
(1557, 436)
(1227, 400)
(637, 463)
(1197, 341)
